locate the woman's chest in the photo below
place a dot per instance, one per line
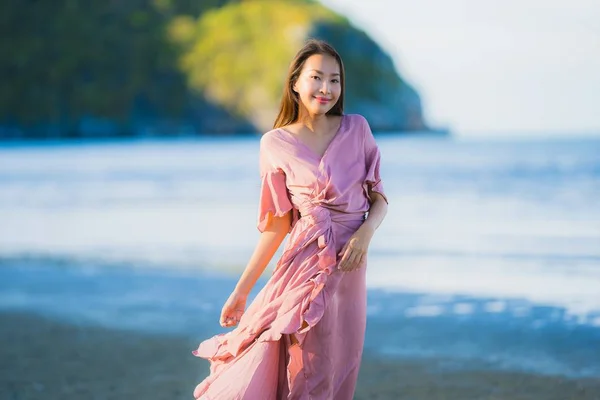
(339, 169)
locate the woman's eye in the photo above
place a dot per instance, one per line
(316, 77)
(335, 81)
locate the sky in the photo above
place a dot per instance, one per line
(488, 67)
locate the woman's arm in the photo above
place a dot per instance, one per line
(268, 243)
(377, 211)
(355, 250)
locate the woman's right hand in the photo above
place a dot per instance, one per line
(233, 310)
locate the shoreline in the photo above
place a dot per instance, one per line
(44, 358)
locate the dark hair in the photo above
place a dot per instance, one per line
(290, 101)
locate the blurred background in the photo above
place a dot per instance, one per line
(129, 189)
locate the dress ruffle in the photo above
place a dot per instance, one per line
(294, 309)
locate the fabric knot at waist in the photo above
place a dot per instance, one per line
(316, 224)
(323, 217)
(318, 215)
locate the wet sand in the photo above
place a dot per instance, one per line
(41, 358)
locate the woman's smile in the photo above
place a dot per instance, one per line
(322, 100)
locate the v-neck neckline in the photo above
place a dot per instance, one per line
(311, 151)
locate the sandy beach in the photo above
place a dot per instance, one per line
(41, 358)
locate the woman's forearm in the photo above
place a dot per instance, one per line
(377, 212)
(268, 243)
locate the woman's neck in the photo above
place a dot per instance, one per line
(316, 123)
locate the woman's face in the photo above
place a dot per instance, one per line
(319, 86)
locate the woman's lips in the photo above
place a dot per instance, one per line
(322, 100)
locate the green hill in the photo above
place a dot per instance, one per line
(100, 68)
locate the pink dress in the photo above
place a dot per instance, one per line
(328, 199)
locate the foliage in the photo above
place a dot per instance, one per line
(216, 65)
(67, 58)
(238, 55)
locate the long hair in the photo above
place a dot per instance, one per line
(290, 101)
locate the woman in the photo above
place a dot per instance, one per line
(302, 337)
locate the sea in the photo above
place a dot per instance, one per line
(489, 253)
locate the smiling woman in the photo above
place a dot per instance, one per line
(302, 336)
(315, 74)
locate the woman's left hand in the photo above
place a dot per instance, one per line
(355, 250)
